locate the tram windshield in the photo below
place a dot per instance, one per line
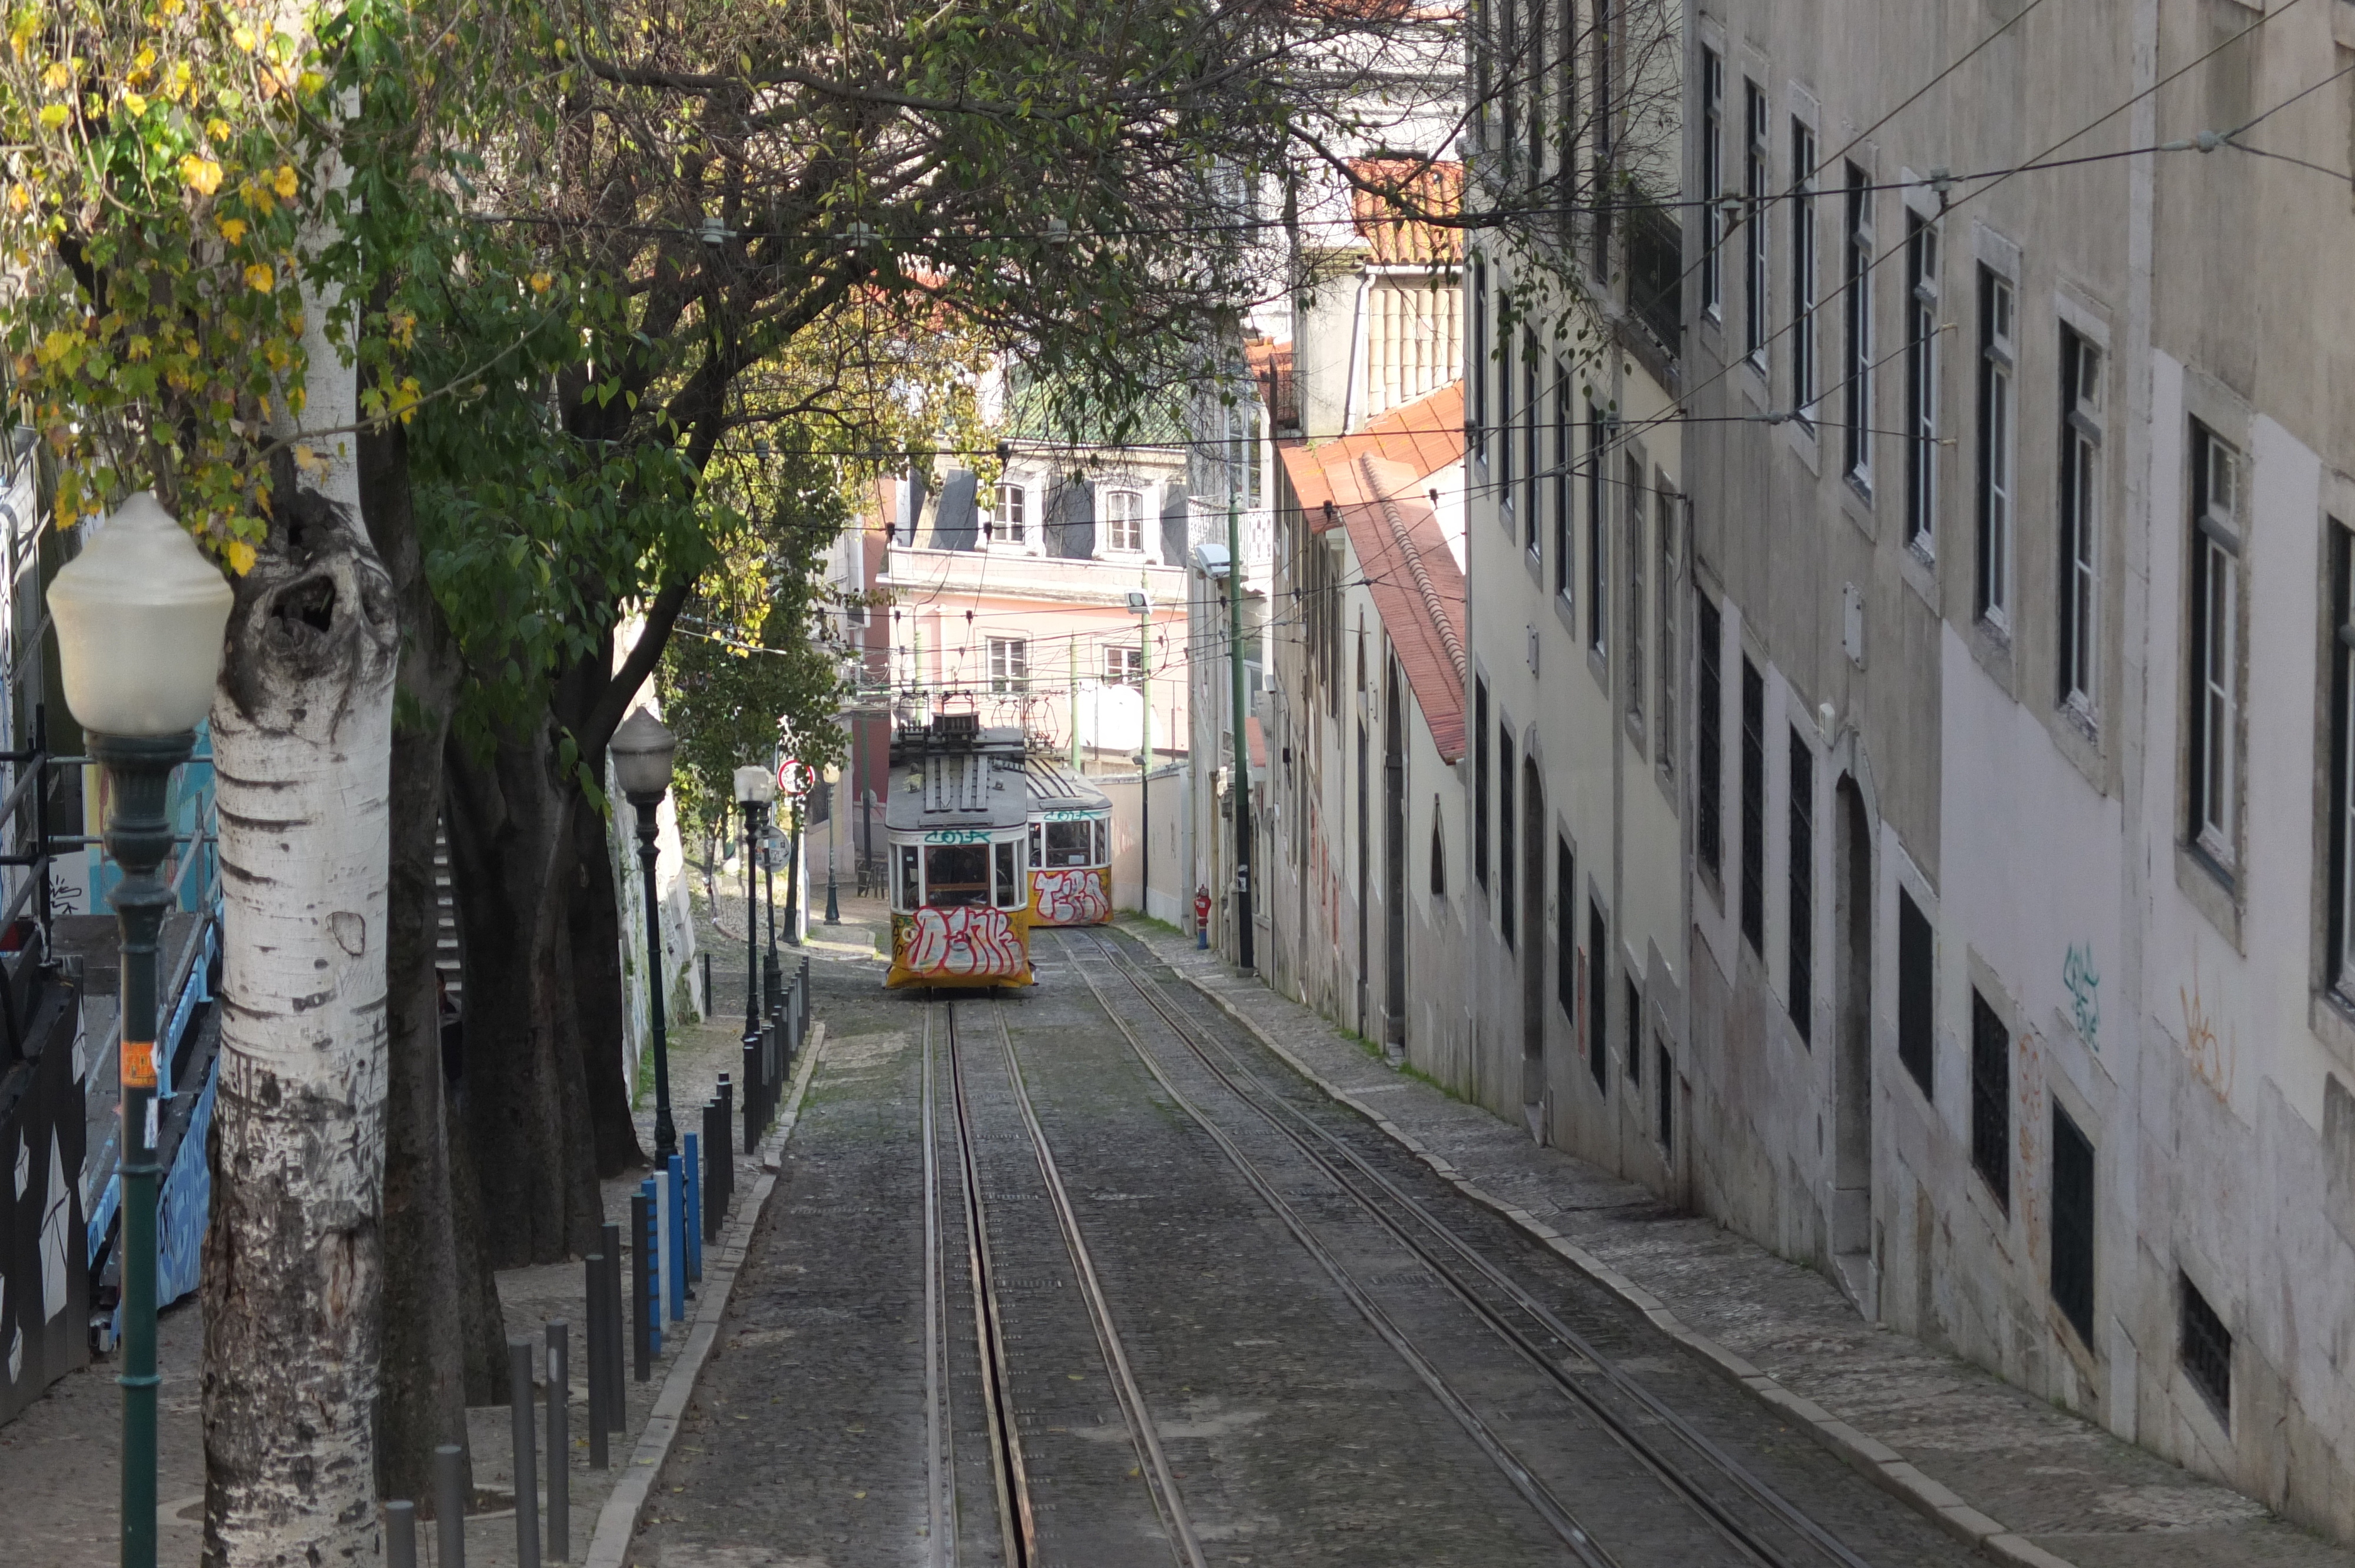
(911, 893)
(1070, 844)
(956, 875)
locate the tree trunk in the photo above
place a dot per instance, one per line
(301, 732)
(423, 1399)
(593, 927)
(526, 1102)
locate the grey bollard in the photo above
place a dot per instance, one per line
(592, 1345)
(400, 1535)
(526, 1464)
(560, 1441)
(450, 1506)
(617, 1391)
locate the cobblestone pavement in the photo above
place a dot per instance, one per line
(1315, 1394)
(2063, 1484)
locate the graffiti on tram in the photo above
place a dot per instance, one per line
(971, 945)
(1077, 896)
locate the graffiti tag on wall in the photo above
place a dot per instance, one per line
(2085, 985)
(2213, 1061)
(1078, 897)
(977, 944)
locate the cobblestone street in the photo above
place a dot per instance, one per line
(1216, 1318)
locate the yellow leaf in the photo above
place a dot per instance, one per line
(19, 199)
(232, 229)
(261, 279)
(203, 175)
(240, 556)
(242, 37)
(136, 104)
(284, 184)
(217, 128)
(56, 78)
(540, 283)
(308, 460)
(54, 115)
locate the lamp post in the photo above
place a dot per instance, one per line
(641, 751)
(755, 788)
(1141, 605)
(140, 615)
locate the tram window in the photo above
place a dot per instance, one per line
(1011, 894)
(910, 892)
(956, 875)
(1070, 843)
(1104, 841)
(1034, 859)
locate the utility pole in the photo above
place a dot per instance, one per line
(1071, 673)
(1145, 758)
(1241, 786)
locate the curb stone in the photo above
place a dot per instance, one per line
(617, 1521)
(1875, 1460)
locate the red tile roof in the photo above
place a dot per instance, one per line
(1423, 436)
(1384, 222)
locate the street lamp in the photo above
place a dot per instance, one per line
(755, 788)
(1140, 604)
(642, 750)
(140, 617)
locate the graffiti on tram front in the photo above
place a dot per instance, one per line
(976, 945)
(1080, 896)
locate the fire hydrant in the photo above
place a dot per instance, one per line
(1202, 917)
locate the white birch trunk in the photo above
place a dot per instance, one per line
(301, 732)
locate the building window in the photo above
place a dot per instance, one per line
(1664, 522)
(1991, 1099)
(1476, 436)
(1438, 855)
(2072, 1224)
(1708, 738)
(1600, 128)
(1504, 412)
(1712, 184)
(1480, 783)
(1533, 70)
(1663, 1082)
(1995, 448)
(1011, 523)
(1921, 384)
(2339, 657)
(1801, 938)
(1917, 992)
(1124, 520)
(1637, 553)
(1754, 175)
(1508, 911)
(1009, 664)
(1598, 996)
(1856, 372)
(1124, 666)
(1564, 460)
(1754, 807)
(1632, 999)
(1508, 85)
(1597, 432)
(1803, 274)
(2081, 490)
(1533, 411)
(1565, 934)
(2205, 1349)
(2215, 646)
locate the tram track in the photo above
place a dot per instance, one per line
(1013, 1467)
(1755, 1519)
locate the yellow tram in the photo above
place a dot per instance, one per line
(957, 830)
(1070, 846)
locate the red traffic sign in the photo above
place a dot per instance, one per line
(795, 777)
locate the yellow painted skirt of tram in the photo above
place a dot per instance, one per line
(977, 944)
(1076, 896)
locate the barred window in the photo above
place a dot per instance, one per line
(1991, 1099)
(2072, 1224)
(2205, 1348)
(1754, 807)
(1801, 939)
(1709, 743)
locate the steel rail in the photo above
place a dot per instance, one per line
(1540, 1498)
(1161, 1480)
(939, 1422)
(1788, 1513)
(1017, 1520)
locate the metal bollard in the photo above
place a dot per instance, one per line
(713, 1195)
(726, 1152)
(617, 1391)
(674, 1195)
(527, 1465)
(560, 1441)
(592, 1345)
(751, 1095)
(450, 1506)
(401, 1534)
(691, 1234)
(642, 1270)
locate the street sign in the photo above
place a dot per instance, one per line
(795, 777)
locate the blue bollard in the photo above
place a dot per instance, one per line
(691, 1161)
(676, 1262)
(652, 1244)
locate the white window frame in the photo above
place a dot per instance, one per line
(1114, 522)
(1757, 175)
(1998, 438)
(1805, 366)
(1124, 665)
(2080, 496)
(1712, 183)
(1009, 664)
(2215, 647)
(1921, 384)
(1010, 526)
(1857, 247)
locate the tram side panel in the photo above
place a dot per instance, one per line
(959, 914)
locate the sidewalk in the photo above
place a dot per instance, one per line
(2030, 1484)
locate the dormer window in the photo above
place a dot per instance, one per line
(1124, 520)
(1011, 521)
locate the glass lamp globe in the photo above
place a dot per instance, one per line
(140, 615)
(755, 785)
(641, 751)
